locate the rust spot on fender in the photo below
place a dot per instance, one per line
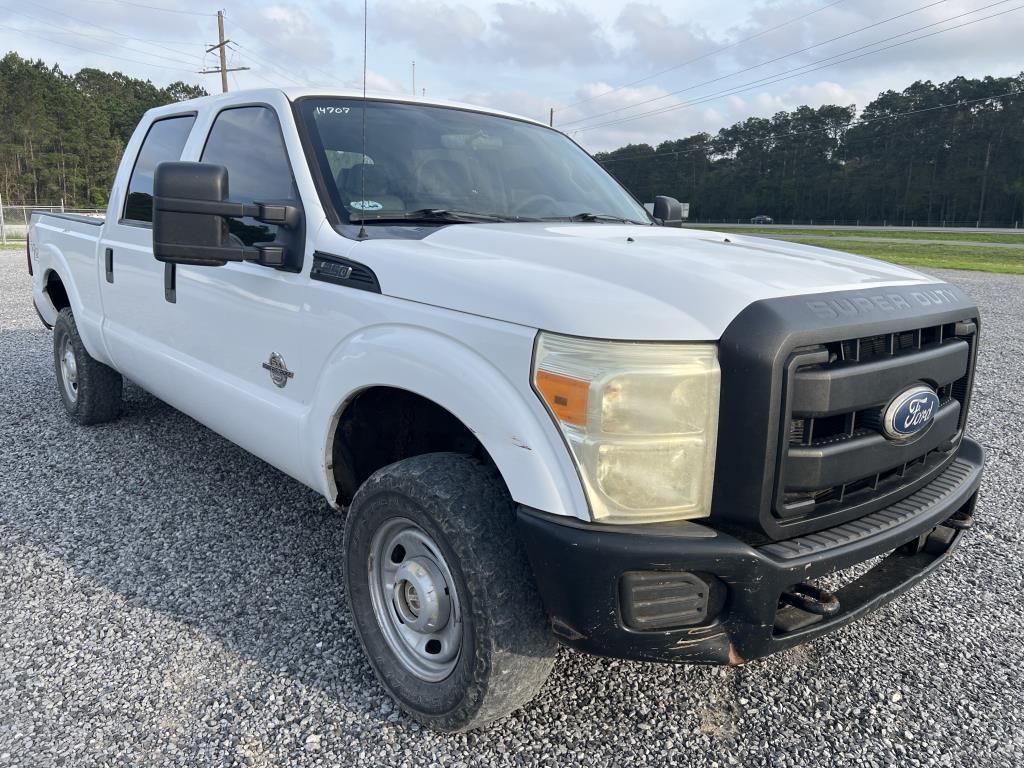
(735, 660)
(564, 629)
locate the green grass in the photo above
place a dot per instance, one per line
(900, 234)
(980, 259)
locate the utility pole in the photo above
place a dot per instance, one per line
(551, 117)
(221, 47)
(414, 77)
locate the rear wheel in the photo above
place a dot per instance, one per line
(91, 391)
(442, 594)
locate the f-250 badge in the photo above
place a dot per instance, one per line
(279, 373)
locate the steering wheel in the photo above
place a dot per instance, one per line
(532, 200)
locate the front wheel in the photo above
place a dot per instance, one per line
(442, 594)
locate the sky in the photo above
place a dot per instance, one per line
(614, 72)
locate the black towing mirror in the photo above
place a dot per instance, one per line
(668, 211)
(191, 211)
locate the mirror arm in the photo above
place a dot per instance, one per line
(286, 216)
(269, 213)
(266, 255)
(209, 207)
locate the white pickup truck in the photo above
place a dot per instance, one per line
(549, 416)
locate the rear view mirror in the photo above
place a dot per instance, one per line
(668, 211)
(181, 233)
(191, 210)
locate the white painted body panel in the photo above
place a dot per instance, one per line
(70, 248)
(613, 281)
(456, 322)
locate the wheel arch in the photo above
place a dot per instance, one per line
(379, 425)
(510, 425)
(56, 291)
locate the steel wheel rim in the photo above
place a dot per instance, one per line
(68, 369)
(414, 599)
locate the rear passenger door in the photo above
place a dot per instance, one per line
(135, 319)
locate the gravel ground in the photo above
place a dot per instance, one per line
(168, 599)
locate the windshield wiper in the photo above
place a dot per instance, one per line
(446, 215)
(586, 216)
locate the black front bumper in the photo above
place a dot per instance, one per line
(579, 569)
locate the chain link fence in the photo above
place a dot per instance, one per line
(14, 219)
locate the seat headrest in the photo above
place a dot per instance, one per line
(364, 179)
(439, 176)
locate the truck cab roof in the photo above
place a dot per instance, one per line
(255, 95)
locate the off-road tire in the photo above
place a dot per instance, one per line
(508, 649)
(100, 387)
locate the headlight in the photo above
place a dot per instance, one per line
(641, 421)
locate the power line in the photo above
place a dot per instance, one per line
(92, 50)
(105, 38)
(847, 127)
(706, 55)
(52, 30)
(96, 26)
(808, 68)
(61, 30)
(149, 7)
(760, 64)
(244, 50)
(330, 77)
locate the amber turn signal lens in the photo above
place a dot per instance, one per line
(565, 396)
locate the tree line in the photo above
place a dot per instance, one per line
(62, 136)
(909, 157)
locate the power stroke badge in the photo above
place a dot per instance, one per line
(279, 373)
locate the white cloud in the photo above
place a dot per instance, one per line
(658, 42)
(289, 34)
(532, 35)
(529, 55)
(437, 31)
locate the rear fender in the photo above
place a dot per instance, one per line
(50, 259)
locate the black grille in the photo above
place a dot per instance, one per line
(834, 456)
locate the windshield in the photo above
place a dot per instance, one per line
(439, 164)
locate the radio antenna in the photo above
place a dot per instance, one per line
(362, 165)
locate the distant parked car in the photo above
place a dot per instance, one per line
(762, 219)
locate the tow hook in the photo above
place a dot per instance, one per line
(962, 521)
(812, 599)
(938, 540)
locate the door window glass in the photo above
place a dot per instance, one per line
(164, 141)
(248, 142)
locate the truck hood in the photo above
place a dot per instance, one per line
(612, 281)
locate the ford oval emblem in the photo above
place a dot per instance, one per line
(910, 412)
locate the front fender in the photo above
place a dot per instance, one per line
(506, 416)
